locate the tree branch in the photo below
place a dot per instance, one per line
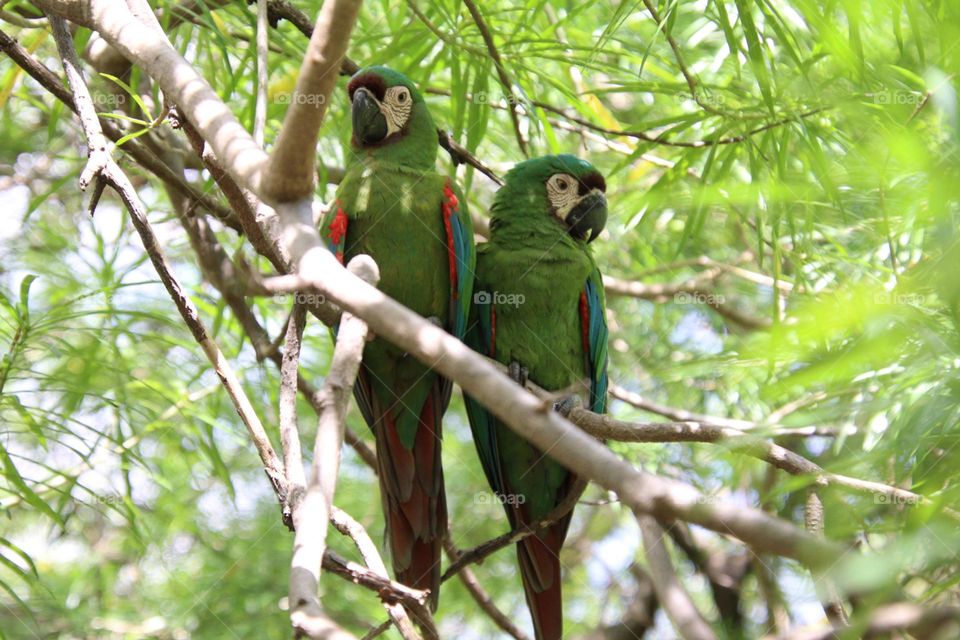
(289, 432)
(101, 166)
(502, 74)
(605, 427)
(671, 594)
(480, 595)
(346, 525)
(290, 173)
(896, 618)
(311, 514)
(478, 553)
(134, 148)
(642, 492)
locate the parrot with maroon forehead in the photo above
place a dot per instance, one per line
(393, 206)
(539, 309)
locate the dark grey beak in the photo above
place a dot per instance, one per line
(588, 218)
(369, 125)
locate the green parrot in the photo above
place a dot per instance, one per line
(393, 206)
(539, 309)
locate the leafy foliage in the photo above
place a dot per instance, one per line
(813, 150)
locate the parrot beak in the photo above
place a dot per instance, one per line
(369, 124)
(588, 218)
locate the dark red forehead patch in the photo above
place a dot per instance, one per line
(370, 81)
(592, 181)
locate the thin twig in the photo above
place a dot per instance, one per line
(139, 152)
(605, 427)
(349, 527)
(480, 595)
(289, 432)
(678, 55)
(502, 74)
(832, 602)
(460, 155)
(263, 48)
(387, 590)
(769, 427)
(671, 594)
(660, 139)
(478, 553)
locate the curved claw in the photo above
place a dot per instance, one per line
(517, 373)
(567, 404)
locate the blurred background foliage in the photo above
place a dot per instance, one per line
(797, 197)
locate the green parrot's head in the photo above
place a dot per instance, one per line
(390, 118)
(561, 193)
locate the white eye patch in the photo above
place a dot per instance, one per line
(396, 107)
(562, 193)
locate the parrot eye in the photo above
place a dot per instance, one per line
(562, 192)
(400, 96)
(397, 107)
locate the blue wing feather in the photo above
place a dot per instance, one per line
(481, 338)
(597, 335)
(464, 257)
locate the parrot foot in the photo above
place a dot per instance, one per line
(517, 373)
(567, 404)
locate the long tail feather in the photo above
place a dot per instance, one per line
(539, 558)
(412, 490)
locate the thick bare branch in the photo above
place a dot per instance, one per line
(311, 514)
(263, 49)
(291, 172)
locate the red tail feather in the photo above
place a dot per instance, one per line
(412, 486)
(539, 558)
